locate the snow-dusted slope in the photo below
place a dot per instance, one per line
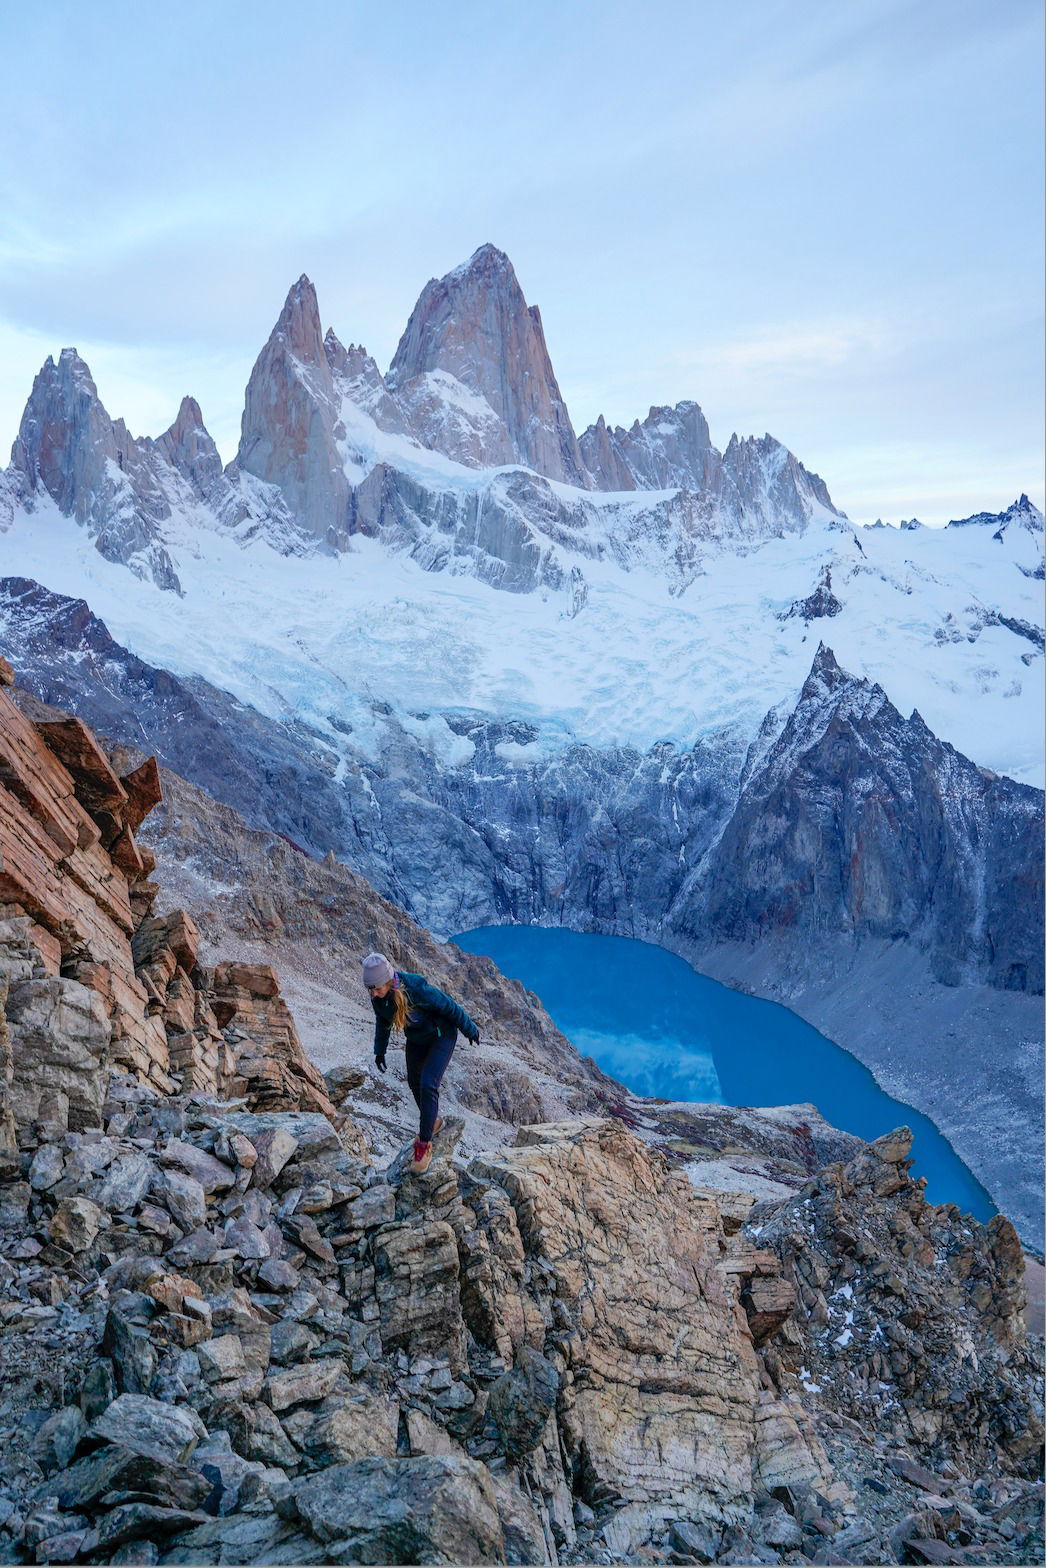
(948, 622)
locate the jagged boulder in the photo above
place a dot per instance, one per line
(522, 1400)
(60, 1037)
(431, 1510)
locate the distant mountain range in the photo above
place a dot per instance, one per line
(330, 448)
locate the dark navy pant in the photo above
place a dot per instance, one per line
(426, 1065)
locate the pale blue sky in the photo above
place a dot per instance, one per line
(816, 219)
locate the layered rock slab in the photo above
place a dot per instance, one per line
(660, 1377)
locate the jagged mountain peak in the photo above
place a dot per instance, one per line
(189, 448)
(72, 361)
(298, 324)
(495, 399)
(1022, 513)
(486, 260)
(825, 667)
(189, 417)
(93, 469)
(287, 434)
(671, 448)
(829, 684)
(70, 371)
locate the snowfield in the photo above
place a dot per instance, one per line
(947, 621)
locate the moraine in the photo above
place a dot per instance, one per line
(669, 1033)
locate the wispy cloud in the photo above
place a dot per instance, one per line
(799, 349)
(819, 220)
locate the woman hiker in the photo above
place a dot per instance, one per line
(430, 1021)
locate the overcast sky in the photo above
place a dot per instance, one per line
(818, 219)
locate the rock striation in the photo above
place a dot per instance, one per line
(93, 980)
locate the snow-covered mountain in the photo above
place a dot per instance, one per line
(846, 862)
(608, 653)
(463, 456)
(680, 602)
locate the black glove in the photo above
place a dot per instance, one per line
(379, 1061)
(473, 1039)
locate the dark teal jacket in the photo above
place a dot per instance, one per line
(430, 1013)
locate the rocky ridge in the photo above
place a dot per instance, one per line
(757, 483)
(87, 963)
(492, 1363)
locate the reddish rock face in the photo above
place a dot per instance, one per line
(475, 326)
(288, 432)
(90, 979)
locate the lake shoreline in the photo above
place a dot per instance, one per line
(637, 1029)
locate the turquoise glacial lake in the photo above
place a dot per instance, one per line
(663, 1030)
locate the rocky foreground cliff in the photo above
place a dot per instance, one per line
(231, 1335)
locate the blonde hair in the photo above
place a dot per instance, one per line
(400, 1002)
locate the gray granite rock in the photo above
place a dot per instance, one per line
(184, 1198)
(167, 1433)
(522, 1400)
(435, 1510)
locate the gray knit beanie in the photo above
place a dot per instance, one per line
(377, 970)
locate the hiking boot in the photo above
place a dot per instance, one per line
(422, 1157)
(437, 1125)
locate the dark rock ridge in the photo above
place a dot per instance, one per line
(471, 380)
(859, 821)
(847, 832)
(1022, 514)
